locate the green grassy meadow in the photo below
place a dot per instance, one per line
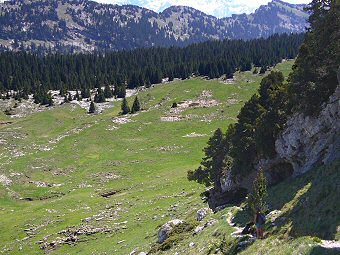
(60, 161)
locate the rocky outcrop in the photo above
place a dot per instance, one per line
(305, 143)
(164, 231)
(308, 141)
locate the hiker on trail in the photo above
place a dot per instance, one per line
(260, 220)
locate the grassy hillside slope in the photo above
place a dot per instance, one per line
(306, 209)
(56, 166)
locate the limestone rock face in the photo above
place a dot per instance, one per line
(163, 232)
(307, 142)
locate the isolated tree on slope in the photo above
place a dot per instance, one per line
(92, 108)
(69, 97)
(107, 92)
(49, 99)
(125, 107)
(209, 173)
(257, 200)
(135, 106)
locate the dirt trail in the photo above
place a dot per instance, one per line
(330, 244)
(327, 244)
(238, 230)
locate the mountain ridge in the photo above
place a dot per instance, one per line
(87, 26)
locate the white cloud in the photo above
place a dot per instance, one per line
(219, 8)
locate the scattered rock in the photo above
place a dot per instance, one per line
(5, 180)
(273, 215)
(105, 176)
(170, 148)
(243, 244)
(199, 229)
(121, 120)
(69, 133)
(108, 214)
(5, 122)
(202, 213)
(232, 101)
(40, 184)
(172, 118)
(192, 244)
(109, 193)
(194, 135)
(203, 101)
(71, 235)
(164, 230)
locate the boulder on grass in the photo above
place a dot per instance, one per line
(164, 231)
(202, 213)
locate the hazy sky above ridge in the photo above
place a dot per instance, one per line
(218, 8)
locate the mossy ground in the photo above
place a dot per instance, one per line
(70, 152)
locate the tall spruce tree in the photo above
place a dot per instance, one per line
(107, 92)
(99, 96)
(50, 101)
(257, 199)
(209, 173)
(125, 107)
(92, 108)
(136, 106)
(69, 97)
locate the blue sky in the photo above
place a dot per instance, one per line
(218, 8)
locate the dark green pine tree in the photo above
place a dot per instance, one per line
(120, 91)
(69, 97)
(76, 96)
(136, 106)
(49, 99)
(257, 200)
(209, 173)
(314, 78)
(66, 100)
(150, 66)
(62, 91)
(263, 70)
(133, 81)
(125, 107)
(107, 92)
(99, 97)
(85, 93)
(92, 108)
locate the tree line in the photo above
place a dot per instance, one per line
(28, 73)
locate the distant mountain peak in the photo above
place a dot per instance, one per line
(82, 25)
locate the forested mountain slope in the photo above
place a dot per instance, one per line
(26, 73)
(86, 26)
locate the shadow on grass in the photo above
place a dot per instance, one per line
(323, 251)
(309, 203)
(312, 203)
